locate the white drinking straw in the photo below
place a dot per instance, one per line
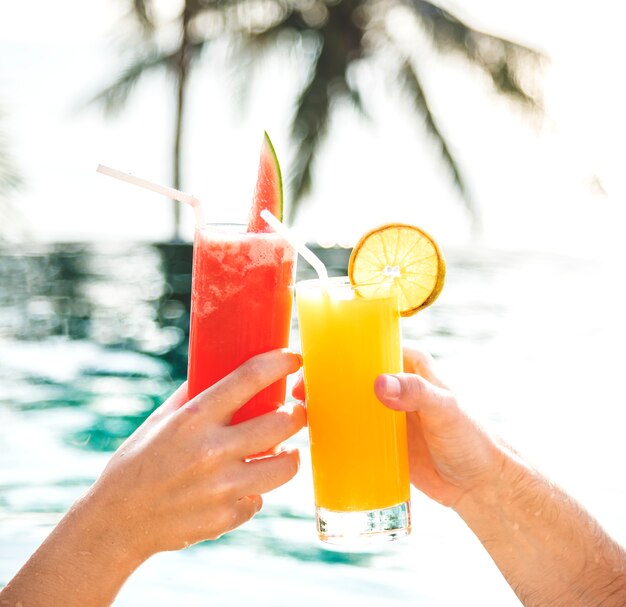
(159, 189)
(300, 247)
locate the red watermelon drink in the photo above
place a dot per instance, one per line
(242, 294)
(242, 291)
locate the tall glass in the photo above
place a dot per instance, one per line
(241, 298)
(349, 335)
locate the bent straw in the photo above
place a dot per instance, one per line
(159, 189)
(300, 247)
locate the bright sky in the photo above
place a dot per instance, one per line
(533, 184)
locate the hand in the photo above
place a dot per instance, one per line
(549, 549)
(182, 477)
(449, 453)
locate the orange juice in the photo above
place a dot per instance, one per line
(358, 446)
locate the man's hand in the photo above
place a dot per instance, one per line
(550, 550)
(449, 453)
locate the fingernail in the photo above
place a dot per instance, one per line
(391, 387)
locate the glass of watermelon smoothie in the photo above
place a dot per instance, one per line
(241, 299)
(242, 293)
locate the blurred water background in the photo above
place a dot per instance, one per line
(94, 296)
(94, 337)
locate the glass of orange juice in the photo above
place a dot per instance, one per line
(349, 335)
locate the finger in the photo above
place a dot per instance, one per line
(421, 362)
(263, 475)
(409, 392)
(244, 509)
(173, 403)
(298, 389)
(250, 505)
(221, 400)
(264, 432)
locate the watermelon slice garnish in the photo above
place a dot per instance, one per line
(268, 192)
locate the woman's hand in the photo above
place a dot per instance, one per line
(182, 477)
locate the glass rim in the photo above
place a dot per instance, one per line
(230, 226)
(342, 282)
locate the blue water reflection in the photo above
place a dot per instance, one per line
(94, 337)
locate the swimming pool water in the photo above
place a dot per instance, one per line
(94, 337)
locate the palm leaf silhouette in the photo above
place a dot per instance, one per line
(342, 32)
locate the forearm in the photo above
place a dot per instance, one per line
(80, 564)
(549, 549)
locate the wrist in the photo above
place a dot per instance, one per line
(110, 526)
(550, 550)
(498, 490)
(84, 561)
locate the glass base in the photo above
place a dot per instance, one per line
(365, 526)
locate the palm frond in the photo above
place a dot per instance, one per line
(339, 45)
(10, 178)
(308, 129)
(249, 48)
(142, 10)
(114, 96)
(409, 79)
(502, 59)
(340, 32)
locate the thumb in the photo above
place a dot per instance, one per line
(410, 392)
